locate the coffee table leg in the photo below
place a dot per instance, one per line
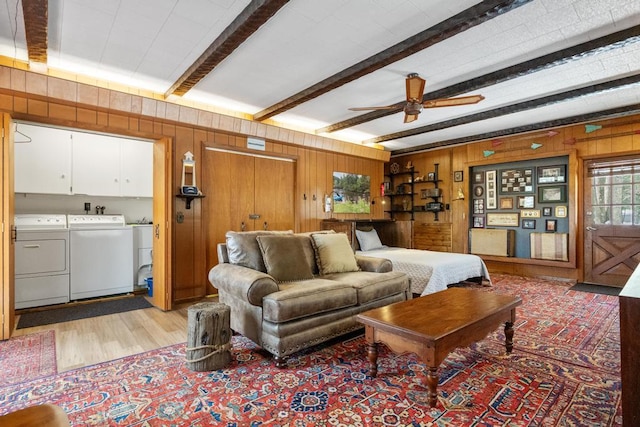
(508, 336)
(372, 353)
(432, 385)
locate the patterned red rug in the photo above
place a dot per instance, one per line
(27, 357)
(564, 370)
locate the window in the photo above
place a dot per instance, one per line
(615, 192)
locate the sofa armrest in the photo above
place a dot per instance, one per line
(242, 282)
(375, 265)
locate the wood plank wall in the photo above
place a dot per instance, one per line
(49, 100)
(616, 137)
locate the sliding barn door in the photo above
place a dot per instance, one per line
(244, 192)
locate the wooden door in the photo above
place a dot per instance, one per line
(7, 296)
(243, 191)
(162, 232)
(274, 192)
(228, 185)
(611, 220)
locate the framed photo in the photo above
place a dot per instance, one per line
(503, 219)
(478, 206)
(431, 176)
(551, 225)
(561, 211)
(530, 213)
(492, 200)
(478, 222)
(546, 211)
(506, 202)
(526, 202)
(552, 194)
(478, 177)
(458, 176)
(516, 181)
(552, 174)
(529, 224)
(478, 191)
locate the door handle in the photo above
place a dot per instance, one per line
(589, 228)
(254, 216)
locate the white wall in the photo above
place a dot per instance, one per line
(134, 209)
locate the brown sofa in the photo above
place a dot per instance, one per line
(289, 291)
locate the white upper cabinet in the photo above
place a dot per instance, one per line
(136, 168)
(42, 165)
(96, 164)
(60, 161)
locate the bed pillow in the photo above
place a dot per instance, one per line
(284, 257)
(334, 253)
(368, 240)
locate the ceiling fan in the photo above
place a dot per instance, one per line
(414, 105)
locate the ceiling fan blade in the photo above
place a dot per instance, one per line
(415, 87)
(388, 107)
(408, 118)
(450, 102)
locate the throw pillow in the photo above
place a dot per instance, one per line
(334, 253)
(284, 257)
(368, 240)
(243, 249)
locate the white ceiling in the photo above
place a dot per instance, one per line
(151, 43)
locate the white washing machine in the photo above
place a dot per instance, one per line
(41, 260)
(101, 248)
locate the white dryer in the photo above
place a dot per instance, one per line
(101, 248)
(41, 260)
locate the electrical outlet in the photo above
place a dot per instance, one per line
(180, 217)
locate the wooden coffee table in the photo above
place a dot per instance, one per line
(433, 325)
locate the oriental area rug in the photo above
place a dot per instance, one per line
(27, 357)
(564, 370)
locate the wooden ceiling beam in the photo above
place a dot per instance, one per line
(246, 23)
(612, 41)
(550, 124)
(466, 19)
(36, 21)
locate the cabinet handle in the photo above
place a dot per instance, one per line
(31, 246)
(265, 225)
(242, 226)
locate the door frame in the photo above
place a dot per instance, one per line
(7, 294)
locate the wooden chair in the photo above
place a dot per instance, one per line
(46, 415)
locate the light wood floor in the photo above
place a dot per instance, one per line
(99, 339)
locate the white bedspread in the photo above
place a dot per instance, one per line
(432, 271)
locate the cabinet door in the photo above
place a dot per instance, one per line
(274, 192)
(136, 168)
(44, 164)
(96, 164)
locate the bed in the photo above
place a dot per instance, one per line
(430, 271)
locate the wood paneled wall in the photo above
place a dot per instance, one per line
(50, 100)
(616, 137)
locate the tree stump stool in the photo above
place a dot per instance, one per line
(208, 336)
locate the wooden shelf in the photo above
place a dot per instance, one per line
(189, 198)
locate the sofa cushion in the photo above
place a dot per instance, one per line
(368, 240)
(371, 286)
(296, 300)
(334, 253)
(284, 256)
(242, 248)
(309, 251)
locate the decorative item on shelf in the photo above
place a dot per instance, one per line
(189, 191)
(460, 194)
(394, 168)
(409, 165)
